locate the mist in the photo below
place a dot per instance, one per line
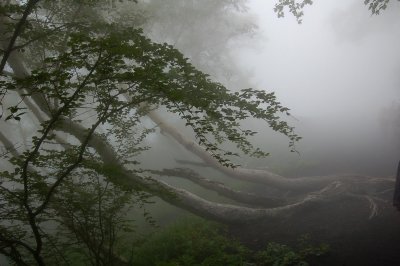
(338, 73)
(145, 133)
(340, 61)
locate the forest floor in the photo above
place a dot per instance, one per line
(353, 237)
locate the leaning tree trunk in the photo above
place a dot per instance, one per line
(268, 178)
(322, 188)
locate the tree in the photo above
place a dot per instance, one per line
(82, 81)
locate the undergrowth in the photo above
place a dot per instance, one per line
(197, 242)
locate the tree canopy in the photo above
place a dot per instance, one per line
(84, 82)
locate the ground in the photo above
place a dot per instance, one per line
(354, 239)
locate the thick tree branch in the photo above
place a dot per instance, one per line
(301, 184)
(221, 189)
(17, 31)
(8, 145)
(186, 200)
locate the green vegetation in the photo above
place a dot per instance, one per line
(83, 81)
(281, 255)
(191, 242)
(197, 242)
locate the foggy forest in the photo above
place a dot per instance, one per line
(199, 132)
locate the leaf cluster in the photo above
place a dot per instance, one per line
(282, 255)
(295, 8)
(376, 6)
(123, 64)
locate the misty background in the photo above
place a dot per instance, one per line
(338, 72)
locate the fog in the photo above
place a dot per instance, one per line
(337, 72)
(341, 61)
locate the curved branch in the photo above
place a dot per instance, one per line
(221, 189)
(301, 184)
(227, 213)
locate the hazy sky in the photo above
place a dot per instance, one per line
(340, 60)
